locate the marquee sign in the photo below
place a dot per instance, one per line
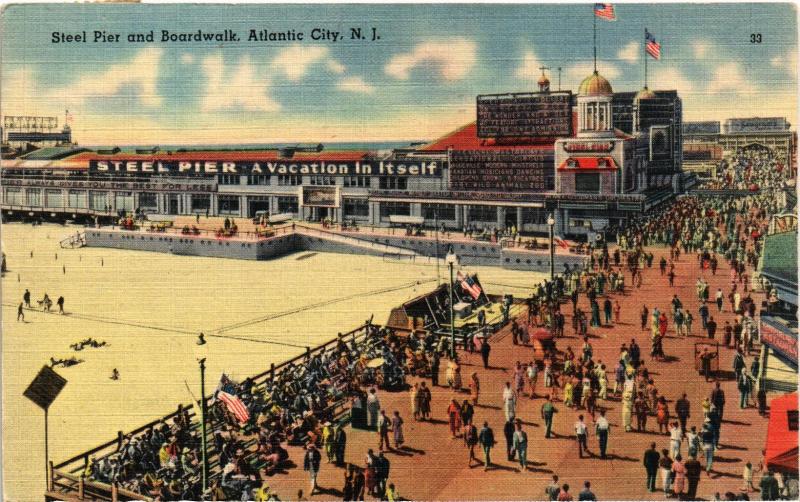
(414, 167)
(780, 341)
(544, 114)
(128, 186)
(588, 146)
(510, 170)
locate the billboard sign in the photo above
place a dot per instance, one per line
(319, 196)
(541, 114)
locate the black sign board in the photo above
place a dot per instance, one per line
(532, 115)
(511, 170)
(45, 387)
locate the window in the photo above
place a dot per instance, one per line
(356, 181)
(323, 180)
(587, 182)
(483, 213)
(393, 183)
(34, 197)
(287, 204)
(201, 203)
(228, 179)
(289, 180)
(148, 200)
(534, 216)
(439, 211)
(228, 204)
(53, 198)
(14, 196)
(356, 207)
(395, 209)
(258, 179)
(98, 201)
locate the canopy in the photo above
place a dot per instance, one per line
(782, 440)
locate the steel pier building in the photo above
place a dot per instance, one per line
(591, 159)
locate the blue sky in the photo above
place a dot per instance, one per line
(417, 82)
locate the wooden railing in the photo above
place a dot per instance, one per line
(66, 477)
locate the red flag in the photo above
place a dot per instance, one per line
(235, 406)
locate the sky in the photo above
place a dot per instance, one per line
(417, 82)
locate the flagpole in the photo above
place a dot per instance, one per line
(594, 37)
(644, 55)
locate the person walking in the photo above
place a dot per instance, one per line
(718, 399)
(26, 298)
(586, 493)
(675, 440)
(383, 431)
(580, 435)
(707, 438)
(601, 429)
(474, 388)
(508, 432)
(20, 313)
(679, 476)
(470, 440)
(340, 443)
(454, 418)
(486, 349)
(553, 489)
(509, 402)
(682, 407)
(382, 466)
(397, 430)
(711, 327)
(311, 462)
(665, 466)
(651, 463)
(548, 409)
(521, 445)
(770, 489)
(373, 408)
(328, 441)
(693, 470)
(486, 439)
(424, 401)
(645, 316)
(60, 303)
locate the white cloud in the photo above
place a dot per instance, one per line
(335, 66)
(700, 49)
(787, 62)
(295, 60)
(355, 84)
(730, 77)
(630, 53)
(529, 68)
(187, 58)
(244, 88)
(452, 59)
(670, 78)
(137, 76)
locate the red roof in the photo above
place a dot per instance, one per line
(782, 442)
(241, 156)
(466, 138)
(588, 163)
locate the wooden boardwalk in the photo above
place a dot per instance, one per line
(434, 466)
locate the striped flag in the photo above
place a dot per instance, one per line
(605, 11)
(560, 242)
(235, 406)
(469, 285)
(651, 46)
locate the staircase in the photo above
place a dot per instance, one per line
(77, 240)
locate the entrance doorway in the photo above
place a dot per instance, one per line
(254, 205)
(511, 216)
(173, 206)
(320, 213)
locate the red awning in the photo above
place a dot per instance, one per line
(781, 441)
(539, 333)
(588, 163)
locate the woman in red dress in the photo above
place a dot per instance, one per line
(454, 412)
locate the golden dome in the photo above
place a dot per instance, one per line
(644, 94)
(595, 85)
(543, 81)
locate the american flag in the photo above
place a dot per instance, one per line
(605, 11)
(651, 46)
(469, 285)
(560, 242)
(235, 406)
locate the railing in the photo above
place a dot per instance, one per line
(64, 477)
(348, 239)
(61, 209)
(208, 234)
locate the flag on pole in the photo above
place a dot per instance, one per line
(651, 46)
(68, 117)
(235, 406)
(469, 285)
(605, 11)
(560, 242)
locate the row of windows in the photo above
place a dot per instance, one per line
(384, 182)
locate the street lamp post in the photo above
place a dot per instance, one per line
(451, 260)
(551, 223)
(203, 413)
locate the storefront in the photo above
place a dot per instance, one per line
(778, 353)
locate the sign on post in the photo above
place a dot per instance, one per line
(44, 389)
